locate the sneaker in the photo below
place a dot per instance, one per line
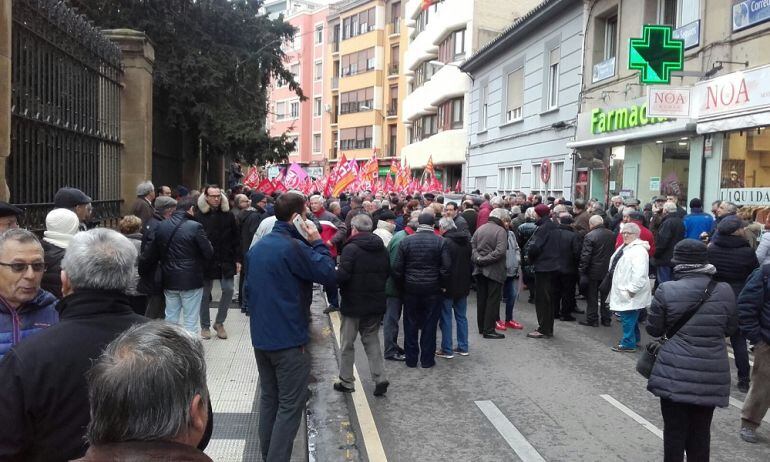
(749, 435)
(381, 388)
(514, 325)
(396, 357)
(220, 330)
(743, 386)
(342, 388)
(444, 355)
(461, 352)
(500, 325)
(622, 349)
(205, 334)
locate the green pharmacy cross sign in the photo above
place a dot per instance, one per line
(656, 54)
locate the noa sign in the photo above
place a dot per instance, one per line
(668, 102)
(739, 92)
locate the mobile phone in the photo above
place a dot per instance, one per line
(299, 223)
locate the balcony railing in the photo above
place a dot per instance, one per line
(335, 83)
(333, 154)
(390, 150)
(393, 69)
(394, 26)
(392, 109)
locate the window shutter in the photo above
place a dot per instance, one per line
(515, 93)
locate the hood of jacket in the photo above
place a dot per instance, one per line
(386, 225)
(367, 241)
(729, 241)
(43, 299)
(639, 242)
(204, 206)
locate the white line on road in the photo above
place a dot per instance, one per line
(739, 404)
(641, 420)
(514, 438)
(371, 436)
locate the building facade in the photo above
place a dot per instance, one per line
(434, 109)
(524, 102)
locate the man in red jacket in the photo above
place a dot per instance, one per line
(646, 235)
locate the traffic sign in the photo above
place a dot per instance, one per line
(656, 54)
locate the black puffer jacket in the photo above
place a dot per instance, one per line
(52, 277)
(754, 307)
(598, 247)
(422, 263)
(151, 283)
(544, 249)
(363, 270)
(183, 259)
(569, 249)
(670, 232)
(692, 367)
(222, 231)
(458, 283)
(734, 260)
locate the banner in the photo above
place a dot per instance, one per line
(266, 187)
(279, 186)
(295, 176)
(346, 175)
(252, 178)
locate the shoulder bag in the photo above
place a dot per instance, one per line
(606, 285)
(646, 361)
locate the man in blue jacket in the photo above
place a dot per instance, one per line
(282, 269)
(697, 221)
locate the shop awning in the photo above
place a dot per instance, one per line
(648, 132)
(743, 122)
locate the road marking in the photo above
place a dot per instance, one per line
(512, 436)
(641, 420)
(739, 404)
(371, 436)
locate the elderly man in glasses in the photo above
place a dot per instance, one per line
(25, 308)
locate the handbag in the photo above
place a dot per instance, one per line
(646, 360)
(606, 285)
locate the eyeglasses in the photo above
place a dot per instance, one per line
(22, 267)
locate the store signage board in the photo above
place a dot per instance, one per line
(668, 102)
(621, 119)
(747, 13)
(737, 92)
(656, 54)
(689, 33)
(654, 183)
(603, 70)
(746, 196)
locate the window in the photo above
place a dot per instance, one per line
(503, 179)
(457, 113)
(423, 73)
(317, 108)
(392, 140)
(319, 33)
(318, 70)
(516, 186)
(358, 24)
(483, 108)
(459, 43)
(610, 37)
(556, 183)
(393, 102)
(553, 79)
(358, 63)
(395, 12)
(536, 185)
(357, 100)
(394, 61)
(295, 71)
(667, 12)
(689, 11)
(515, 95)
(295, 109)
(453, 47)
(298, 39)
(356, 138)
(295, 139)
(317, 142)
(280, 110)
(678, 13)
(450, 115)
(422, 20)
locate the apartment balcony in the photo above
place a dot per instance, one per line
(389, 150)
(392, 109)
(394, 27)
(333, 154)
(335, 83)
(393, 70)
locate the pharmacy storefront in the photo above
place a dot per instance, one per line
(622, 151)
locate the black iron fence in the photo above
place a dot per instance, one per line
(65, 111)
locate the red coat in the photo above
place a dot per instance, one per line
(645, 235)
(484, 212)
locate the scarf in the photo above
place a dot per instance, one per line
(696, 269)
(425, 228)
(58, 239)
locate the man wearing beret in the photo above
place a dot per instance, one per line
(9, 216)
(75, 200)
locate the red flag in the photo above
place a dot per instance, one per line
(279, 186)
(429, 167)
(252, 178)
(425, 4)
(266, 187)
(458, 186)
(346, 175)
(388, 184)
(435, 184)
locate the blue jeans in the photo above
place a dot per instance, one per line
(664, 273)
(631, 334)
(186, 303)
(460, 308)
(393, 307)
(421, 314)
(510, 293)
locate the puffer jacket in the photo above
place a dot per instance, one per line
(150, 283)
(692, 367)
(763, 249)
(458, 284)
(631, 280)
(361, 276)
(598, 247)
(734, 260)
(422, 262)
(53, 256)
(512, 256)
(569, 249)
(543, 252)
(754, 306)
(182, 260)
(27, 319)
(222, 231)
(670, 232)
(490, 243)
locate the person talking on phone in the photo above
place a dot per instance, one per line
(283, 265)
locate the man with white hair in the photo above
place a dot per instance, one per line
(51, 366)
(670, 232)
(142, 208)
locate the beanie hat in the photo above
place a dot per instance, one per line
(696, 203)
(690, 252)
(542, 210)
(729, 225)
(256, 197)
(426, 219)
(60, 226)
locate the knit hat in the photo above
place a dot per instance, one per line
(60, 226)
(690, 252)
(256, 197)
(542, 210)
(181, 191)
(68, 198)
(729, 225)
(426, 219)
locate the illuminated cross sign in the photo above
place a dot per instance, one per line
(656, 54)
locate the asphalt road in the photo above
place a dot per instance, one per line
(561, 399)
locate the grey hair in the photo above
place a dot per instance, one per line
(362, 222)
(100, 259)
(669, 207)
(333, 205)
(500, 214)
(144, 188)
(595, 220)
(19, 235)
(414, 219)
(632, 228)
(446, 224)
(496, 201)
(143, 384)
(530, 213)
(729, 206)
(316, 197)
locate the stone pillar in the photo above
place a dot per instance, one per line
(5, 93)
(135, 110)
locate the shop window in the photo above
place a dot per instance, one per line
(746, 159)
(515, 96)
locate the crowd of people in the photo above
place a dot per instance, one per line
(79, 295)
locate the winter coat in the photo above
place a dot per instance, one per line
(483, 216)
(692, 367)
(596, 252)
(489, 244)
(763, 249)
(471, 217)
(631, 280)
(279, 286)
(581, 223)
(53, 256)
(25, 320)
(697, 222)
(142, 209)
(461, 224)
(385, 231)
(458, 282)
(150, 283)
(342, 230)
(645, 235)
(544, 250)
(754, 307)
(135, 239)
(733, 259)
(182, 260)
(328, 231)
(361, 276)
(392, 288)
(512, 256)
(422, 263)
(250, 221)
(43, 379)
(568, 243)
(670, 232)
(222, 231)
(131, 451)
